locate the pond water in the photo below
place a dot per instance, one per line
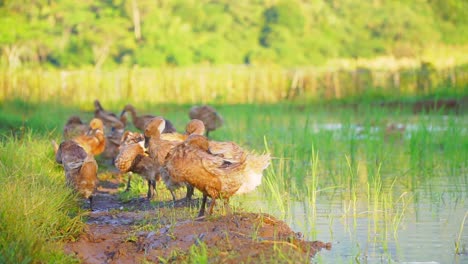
(411, 210)
(429, 226)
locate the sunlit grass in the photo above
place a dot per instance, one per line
(232, 84)
(38, 212)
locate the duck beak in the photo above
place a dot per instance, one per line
(142, 144)
(147, 139)
(122, 113)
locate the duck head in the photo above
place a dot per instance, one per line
(74, 120)
(195, 127)
(154, 128)
(96, 124)
(127, 108)
(97, 105)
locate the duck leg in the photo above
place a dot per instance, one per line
(129, 181)
(151, 189)
(173, 196)
(226, 206)
(188, 197)
(213, 202)
(202, 208)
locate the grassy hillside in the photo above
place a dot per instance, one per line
(154, 33)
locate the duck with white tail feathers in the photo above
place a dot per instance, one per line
(194, 163)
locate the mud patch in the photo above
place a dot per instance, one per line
(140, 231)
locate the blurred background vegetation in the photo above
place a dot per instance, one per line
(149, 33)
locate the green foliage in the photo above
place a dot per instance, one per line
(156, 33)
(287, 14)
(451, 19)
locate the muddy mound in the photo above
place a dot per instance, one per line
(244, 237)
(163, 233)
(236, 238)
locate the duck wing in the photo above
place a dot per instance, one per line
(160, 149)
(220, 166)
(229, 151)
(230, 174)
(127, 155)
(70, 155)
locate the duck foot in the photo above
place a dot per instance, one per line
(200, 218)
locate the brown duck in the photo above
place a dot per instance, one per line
(228, 150)
(140, 121)
(195, 126)
(208, 115)
(159, 149)
(214, 176)
(94, 141)
(130, 137)
(113, 141)
(132, 158)
(80, 168)
(109, 119)
(74, 127)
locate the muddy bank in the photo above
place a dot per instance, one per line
(139, 231)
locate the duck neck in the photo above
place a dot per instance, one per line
(133, 113)
(101, 138)
(98, 106)
(153, 139)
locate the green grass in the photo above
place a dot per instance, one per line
(38, 211)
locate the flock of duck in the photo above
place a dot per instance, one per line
(217, 169)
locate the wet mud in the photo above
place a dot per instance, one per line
(139, 231)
